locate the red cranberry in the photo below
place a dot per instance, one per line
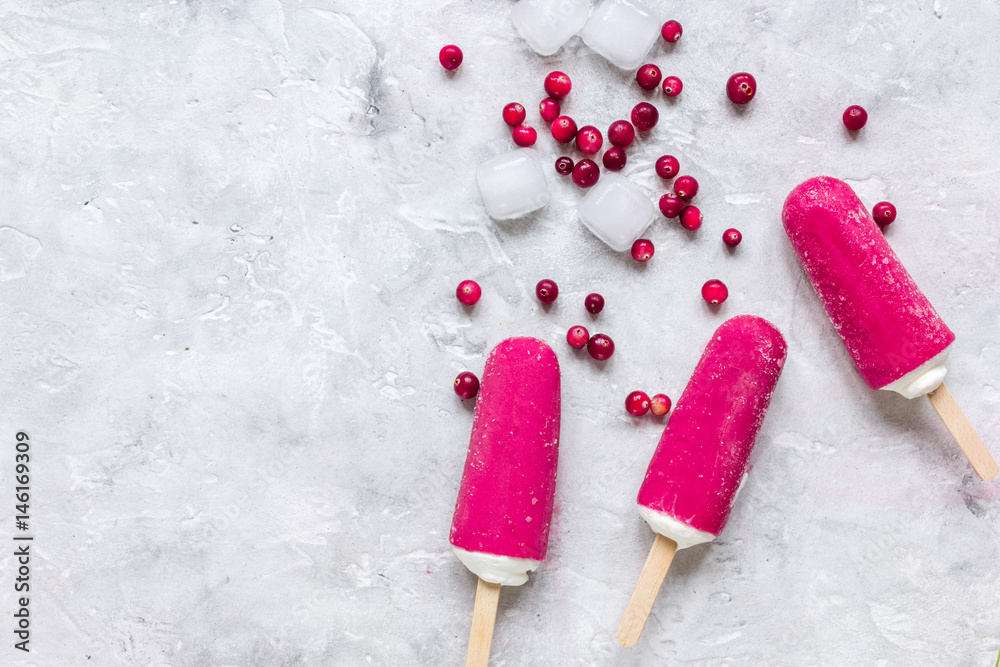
(577, 337)
(855, 118)
(621, 134)
(686, 187)
(564, 165)
(468, 292)
(557, 85)
(644, 116)
(614, 159)
(714, 291)
(672, 86)
(589, 139)
(732, 237)
(450, 57)
(671, 31)
(741, 88)
(637, 403)
(601, 347)
(648, 77)
(691, 218)
(671, 205)
(524, 136)
(594, 303)
(466, 385)
(659, 405)
(546, 290)
(642, 250)
(586, 172)
(884, 213)
(563, 129)
(667, 166)
(548, 109)
(513, 114)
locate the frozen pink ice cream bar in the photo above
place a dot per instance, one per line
(701, 460)
(501, 525)
(888, 326)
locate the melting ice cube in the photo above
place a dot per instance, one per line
(513, 184)
(547, 24)
(617, 211)
(622, 31)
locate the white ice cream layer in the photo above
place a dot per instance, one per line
(684, 535)
(495, 569)
(923, 379)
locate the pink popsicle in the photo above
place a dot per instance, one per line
(701, 460)
(888, 326)
(505, 502)
(702, 457)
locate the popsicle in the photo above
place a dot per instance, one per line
(896, 338)
(701, 461)
(500, 529)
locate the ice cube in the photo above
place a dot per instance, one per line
(616, 210)
(512, 184)
(622, 31)
(547, 24)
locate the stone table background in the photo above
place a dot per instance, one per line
(229, 242)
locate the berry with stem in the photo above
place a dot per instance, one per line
(714, 292)
(642, 250)
(577, 337)
(601, 347)
(671, 31)
(741, 88)
(513, 114)
(546, 290)
(637, 403)
(468, 292)
(648, 77)
(557, 85)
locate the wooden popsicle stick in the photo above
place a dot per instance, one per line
(483, 618)
(661, 554)
(972, 445)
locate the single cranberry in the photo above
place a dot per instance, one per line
(686, 187)
(637, 403)
(546, 290)
(466, 385)
(513, 114)
(614, 159)
(589, 139)
(691, 218)
(714, 291)
(855, 118)
(648, 77)
(563, 129)
(672, 86)
(601, 347)
(557, 85)
(586, 172)
(659, 405)
(884, 213)
(671, 31)
(548, 109)
(732, 237)
(564, 165)
(524, 136)
(667, 166)
(577, 337)
(468, 292)
(644, 116)
(642, 250)
(594, 303)
(741, 88)
(671, 205)
(621, 134)
(450, 57)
